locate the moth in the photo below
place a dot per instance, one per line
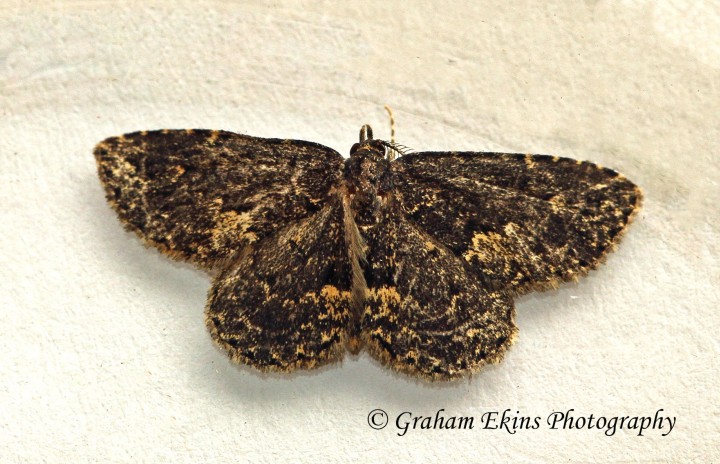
(415, 259)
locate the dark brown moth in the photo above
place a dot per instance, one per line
(416, 259)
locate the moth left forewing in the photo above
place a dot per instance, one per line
(520, 221)
(202, 195)
(286, 305)
(425, 315)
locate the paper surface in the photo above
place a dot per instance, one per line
(105, 353)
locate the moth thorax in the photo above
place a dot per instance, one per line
(366, 167)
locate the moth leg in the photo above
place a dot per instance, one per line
(286, 304)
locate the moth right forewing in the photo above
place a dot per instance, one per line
(520, 221)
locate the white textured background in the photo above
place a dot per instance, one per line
(104, 353)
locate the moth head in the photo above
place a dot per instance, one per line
(374, 149)
(368, 146)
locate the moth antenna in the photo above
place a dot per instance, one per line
(392, 124)
(402, 149)
(396, 148)
(392, 151)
